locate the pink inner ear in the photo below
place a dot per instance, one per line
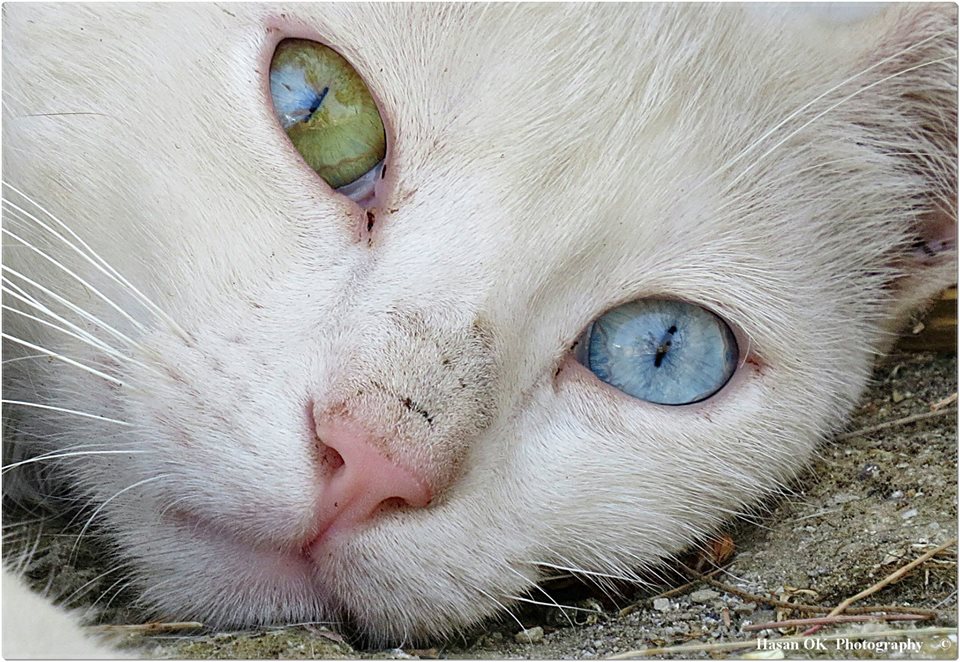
(917, 56)
(938, 235)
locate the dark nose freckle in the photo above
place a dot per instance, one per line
(410, 405)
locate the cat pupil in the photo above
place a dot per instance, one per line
(664, 347)
(318, 100)
(661, 352)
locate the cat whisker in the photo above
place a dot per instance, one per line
(617, 571)
(104, 504)
(85, 338)
(829, 109)
(79, 591)
(23, 358)
(75, 447)
(26, 296)
(799, 111)
(579, 571)
(142, 600)
(532, 583)
(553, 604)
(89, 317)
(72, 274)
(19, 524)
(113, 273)
(80, 335)
(728, 204)
(123, 582)
(59, 455)
(502, 606)
(65, 359)
(74, 412)
(24, 557)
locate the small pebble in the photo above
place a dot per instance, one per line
(703, 595)
(746, 608)
(661, 604)
(893, 556)
(764, 615)
(530, 636)
(909, 514)
(868, 471)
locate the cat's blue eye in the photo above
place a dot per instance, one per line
(661, 351)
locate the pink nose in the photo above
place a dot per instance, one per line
(360, 480)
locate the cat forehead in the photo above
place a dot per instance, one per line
(601, 114)
(584, 101)
(522, 67)
(449, 65)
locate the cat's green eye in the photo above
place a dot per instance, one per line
(328, 114)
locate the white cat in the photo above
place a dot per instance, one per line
(611, 274)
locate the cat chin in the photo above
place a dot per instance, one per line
(396, 581)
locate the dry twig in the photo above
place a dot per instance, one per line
(940, 404)
(629, 609)
(810, 609)
(831, 620)
(894, 423)
(886, 581)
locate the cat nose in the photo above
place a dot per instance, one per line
(360, 481)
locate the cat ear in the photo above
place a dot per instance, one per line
(911, 112)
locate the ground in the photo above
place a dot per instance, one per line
(872, 503)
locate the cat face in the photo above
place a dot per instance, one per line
(291, 406)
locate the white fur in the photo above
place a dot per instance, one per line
(546, 164)
(33, 629)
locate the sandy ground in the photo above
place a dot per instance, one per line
(873, 502)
